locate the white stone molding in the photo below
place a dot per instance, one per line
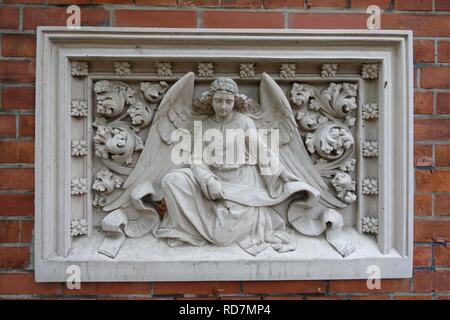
(334, 118)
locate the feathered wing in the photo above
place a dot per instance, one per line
(276, 113)
(175, 112)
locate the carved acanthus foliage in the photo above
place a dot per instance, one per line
(112, 97)
(324, 118)
(116, 141)
(105, 182)
(344, 186)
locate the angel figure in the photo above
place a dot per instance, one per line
(211, 201)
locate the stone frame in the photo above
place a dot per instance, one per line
(391, 49)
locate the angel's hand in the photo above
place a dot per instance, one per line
(215, 189)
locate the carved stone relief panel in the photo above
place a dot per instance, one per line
(146, 184)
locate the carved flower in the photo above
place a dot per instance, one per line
(329, 70)
(163, 69)
(79, 68)
(106, 182)
(369, 225)
(79, 148)
(287, 70)
(78, 227)
(345, 187)
(247, 70)
(370, 149)
(369, 71)
(370, 111)
(122, 68)
(300, 94)
(154, 91)
(205, 69)
(370, 186)
(78, 108)
(78, 186)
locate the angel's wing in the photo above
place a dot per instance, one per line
(276, 113)
(154, 162)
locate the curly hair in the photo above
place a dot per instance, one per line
(242, 103)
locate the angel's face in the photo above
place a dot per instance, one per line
(223, 103)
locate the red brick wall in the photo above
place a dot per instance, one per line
(430, 21)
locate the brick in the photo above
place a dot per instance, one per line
(7, 125)
(272, 4)
(435, 77)
(431, 230)
(433, 180)
(26, 232)
(309, 286)
(328, 20)
(442, 255)
(253, 4)
(443, 102)
(26, 125)
(14, 257)
(9, 231)
(415, 5)
(112, 1)
(443, 155)
(421, 24)
(18, 98)
(238, 19)
(444, 51)
(16, 204)
(17, 71)
(431, 129)
(34, 17)
(155, 18)
(18, 45)
(383, 4)
(24, 1)
(16, 151)
(442, 204)
(423, 51)
(413, 297)
(200, 287)
(9, 18)
(68, 1)
(423, 155)
(432, 281)
(378, 297)
(161, 2)
(16, 179)
(23, 283)
(110, 288)
(423, 205)
(328, 3)
(423, 102)
(443, 5)
(325, 298)
(422, 256)
(360, 286)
